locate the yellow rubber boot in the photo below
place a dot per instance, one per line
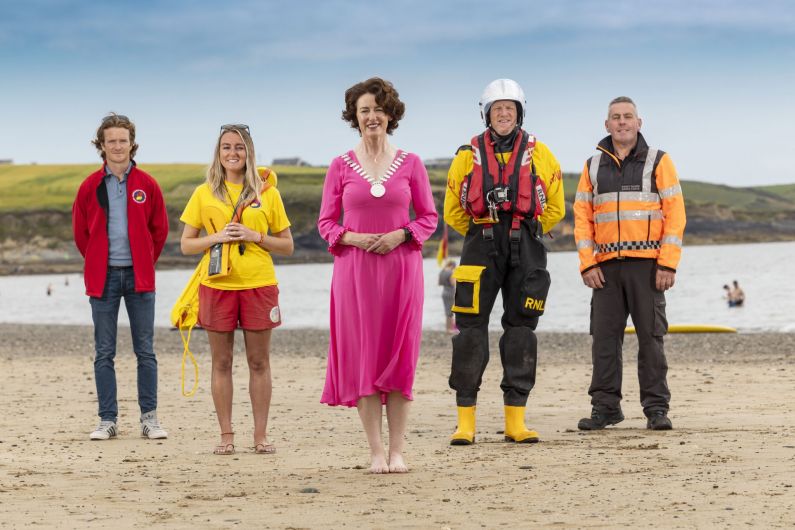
(515, 429)
(465, 433)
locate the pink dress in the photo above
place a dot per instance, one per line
(376, 300)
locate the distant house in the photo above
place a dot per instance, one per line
(6, 161)
(438, 163)
(297, 161)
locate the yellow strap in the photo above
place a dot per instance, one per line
(185, 353)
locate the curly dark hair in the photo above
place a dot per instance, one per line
(114, 120)
(385, 95)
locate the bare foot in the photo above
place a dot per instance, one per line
(397, 465)
(378, 465)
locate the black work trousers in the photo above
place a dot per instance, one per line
(629, 290)
(502, 270)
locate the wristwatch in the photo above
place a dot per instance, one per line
(407, 233)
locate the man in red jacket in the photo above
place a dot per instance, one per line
(120, 225)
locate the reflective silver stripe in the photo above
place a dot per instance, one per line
(648, 167)
(585, 243)
(627, 215)
(605, 217)
(671, 240)
(635, 196)
(670, 192)
(593, 170)
(584, 196)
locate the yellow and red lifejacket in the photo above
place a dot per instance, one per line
(526, 193)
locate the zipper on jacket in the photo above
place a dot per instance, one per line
(104, 203)
(618, 206)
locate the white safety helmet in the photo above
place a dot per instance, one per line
(502, 89)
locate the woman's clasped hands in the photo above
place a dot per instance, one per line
(237, 232)
(376, 243)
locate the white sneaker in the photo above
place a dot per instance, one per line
(104, 431)
(150, 427)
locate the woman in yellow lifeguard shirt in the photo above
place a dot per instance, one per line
(239, 210)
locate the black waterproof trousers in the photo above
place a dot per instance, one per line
(629, 290)
(519, 270)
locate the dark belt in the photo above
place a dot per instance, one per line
(119, 267)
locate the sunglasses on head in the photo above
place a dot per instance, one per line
(235, 127)
(120, 117)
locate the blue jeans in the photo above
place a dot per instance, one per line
(105, 312)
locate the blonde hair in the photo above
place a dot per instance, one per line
(216, 174)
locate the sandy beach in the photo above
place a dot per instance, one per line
(729, 462)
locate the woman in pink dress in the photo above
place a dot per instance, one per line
(377, 286)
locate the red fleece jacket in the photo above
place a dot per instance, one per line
(147, 228)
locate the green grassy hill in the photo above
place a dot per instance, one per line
(780, 198)
(53, 187)
(35, 208)
(786, 191)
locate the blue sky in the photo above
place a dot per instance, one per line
(712, 79)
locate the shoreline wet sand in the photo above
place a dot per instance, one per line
(729, 462)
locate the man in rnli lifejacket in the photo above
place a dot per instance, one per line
(504, 192)
(629, 220)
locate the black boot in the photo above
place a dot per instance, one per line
(600, 419)
(658, 421)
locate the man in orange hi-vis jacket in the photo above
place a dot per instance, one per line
(629, 220)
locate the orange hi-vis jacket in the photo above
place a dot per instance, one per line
(631, 208)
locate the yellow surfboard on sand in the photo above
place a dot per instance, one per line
(692, 328)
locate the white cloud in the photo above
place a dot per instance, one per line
(342, 29)
(181, 67)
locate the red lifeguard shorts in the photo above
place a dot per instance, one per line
(256, 309)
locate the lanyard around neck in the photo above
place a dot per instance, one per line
(232, 203)
(241, 247)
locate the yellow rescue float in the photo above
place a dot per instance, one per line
(692, 328)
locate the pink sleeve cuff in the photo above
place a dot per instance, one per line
(334, 245)
(415, 242)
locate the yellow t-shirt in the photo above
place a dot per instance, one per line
(255, 267)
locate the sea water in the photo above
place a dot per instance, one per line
(764, 271)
